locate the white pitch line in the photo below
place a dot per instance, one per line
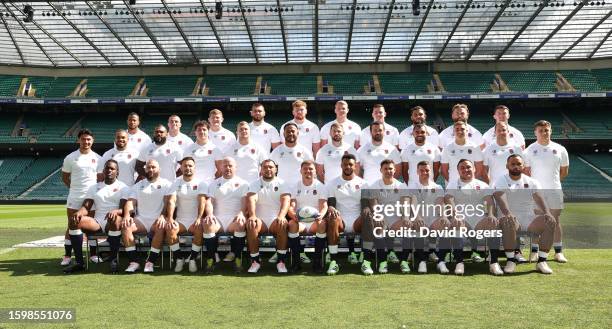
(6, 250)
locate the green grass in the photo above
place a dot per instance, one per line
(577, 295)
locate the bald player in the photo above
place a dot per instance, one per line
(420, 150)
(125, 157)
(351, 128)
(175, 136)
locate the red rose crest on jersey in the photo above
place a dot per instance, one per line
(139, 140)
(222, 138)
(357, 186)
(554, 151)
(236, 184)
(395, 191)
(93, 160)
(428, 151)
(129, 156)
(115, 190)
(388, 132)
(209, 152)
(477, 187)
(252, 151)
(195, 187)
(314, 192)
(526, 185)
(307, 129)
(511, 135)
(350, 127)
(299, 154)
(345, 152)
(265, 131)
(386, 151)
(469, 134)
(159, 187)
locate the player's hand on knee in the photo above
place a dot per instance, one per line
(417, 223)
(127, 222)
(160, 223)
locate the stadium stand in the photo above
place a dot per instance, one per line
(63, 87)
(117, 86)
(42, 85)
(468, 82)
(530, 81)
(286, 84)
(348, 84)
(10, 168)
(103, 125)
(9, 85)
(582, 80)
(32, 173)
(170, 85)
(50, 128)
(590, 125)
(401, 83)
(52, 189)
(604, 78)
(603, 161)
(585, 182)
(230, 85)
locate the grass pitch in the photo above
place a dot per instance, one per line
(578, 294)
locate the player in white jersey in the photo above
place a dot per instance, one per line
(472, 207)
(548, 163)
(387, 191)
(460, 112)
(308, 192)
(124, 155)
(351, 128)
(247, 153)
(391, 133)
(175, 136)
(79, 174)
(417, 116)
(420, 150)
(150, 199)
(514, 136)
(220, 136)
(328, 157)
(263, 133)
(460, 148)
(137, 138)
(268, 203)
(517, 196)
(206, 154)
(430, 196)
(191, 204)
(497, 152)
(229, 209)
(309, 136)
(371, 154)
(344, 210)
(166, 154)
(109, 198)
(290, 155)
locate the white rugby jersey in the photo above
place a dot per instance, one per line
(205, 156)
(519, 194)
(413, 154)
(227, 196)
(268, 197)
(387, 195)
(348, 196)
(447, 136)
(330, 157)
(406, 138)
(308, 133)
(181, 140)
(248, 159)
(107, 197)
(83, 172)
(496, 156)
(289, 161)
(222, 138)
(264, 135)
(452, 153)
(150, 197)
(370, 156)
(126, 160)
(167, 155)
(187, 197)
(391, 135)
(545, 162)
(463, 192)
(308, 196)
(515, 136)
(139, 140)
(351, 131)
(428, 194)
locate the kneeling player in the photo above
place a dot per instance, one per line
(151, 199)
(517, 196)
(109, 199)
(309, 192)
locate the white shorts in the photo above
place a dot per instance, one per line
(224, 222)
(553, 198)
(525, 219)
(348, 224)
(185, 222)
(74, 202)
(147, 222)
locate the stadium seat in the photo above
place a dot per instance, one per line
(467, 82)
(530, 81)
(402, 83)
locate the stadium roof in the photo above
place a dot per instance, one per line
(115, 33)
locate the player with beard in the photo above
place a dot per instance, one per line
(150, 200)
(309, 135)
(420, 150)
(137, 139)
(391, 133)
(417, 116)
(166, 154)
(460, 112)
(268, 203)
(175, 136)
(290, 155)
(330, 155)
(206, 154)
(126, 158)
(247, 153)
(109, 198)
(263, 133)
(351, 128)
(371, 154)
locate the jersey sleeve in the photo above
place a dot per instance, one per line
(67, 165)
(124, 193)
(323, 192)
(564, 157)
(308, 154)
(91, 192)
(254, 186)
(105, 157)
(324, 132)
(203, 188)
(485, 155)
(170, 190)
(133, 192)
(404, 156)
(478, 156)
(274, 135)
(444, 158)
(319, 156)
(395, 156)
(437, 154)
(142, 156)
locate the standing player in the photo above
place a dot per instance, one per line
(420, 150)
(206, 154)
(263, 133)
(328, 157)
(227, 194)
(515, 137)
(268, 203)
(460, 148)
(309, 136)
(496, 153)
(371, 154)
(548, 163)
(109, 198)
(220, 136)
(351, 128)
(124, 156)
(189, 196)
(517, 195)
(150, 200)
(391, 133)
(417, 116)
(247, 153)
(166, 154)
(138, 139)
(460, 112)
(309, 192)
(175, 136)
(343, 213)
(290, 155)
(79, 174)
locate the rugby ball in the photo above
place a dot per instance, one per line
(307, 214)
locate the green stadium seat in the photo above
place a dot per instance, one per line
(582, 80)
(9, 84)
(292, 85)
(603, 161)
(170, 85)
(347, 84)
(403, 83)
(530, 81)
(603, 77)
(33, 173)
(467, 82)
(230, 85)
(584, 182)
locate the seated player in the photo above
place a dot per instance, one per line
(150, 198)
(109, 199)
(517, 195)
(268, 203)
(309, 192)
(344, 214)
